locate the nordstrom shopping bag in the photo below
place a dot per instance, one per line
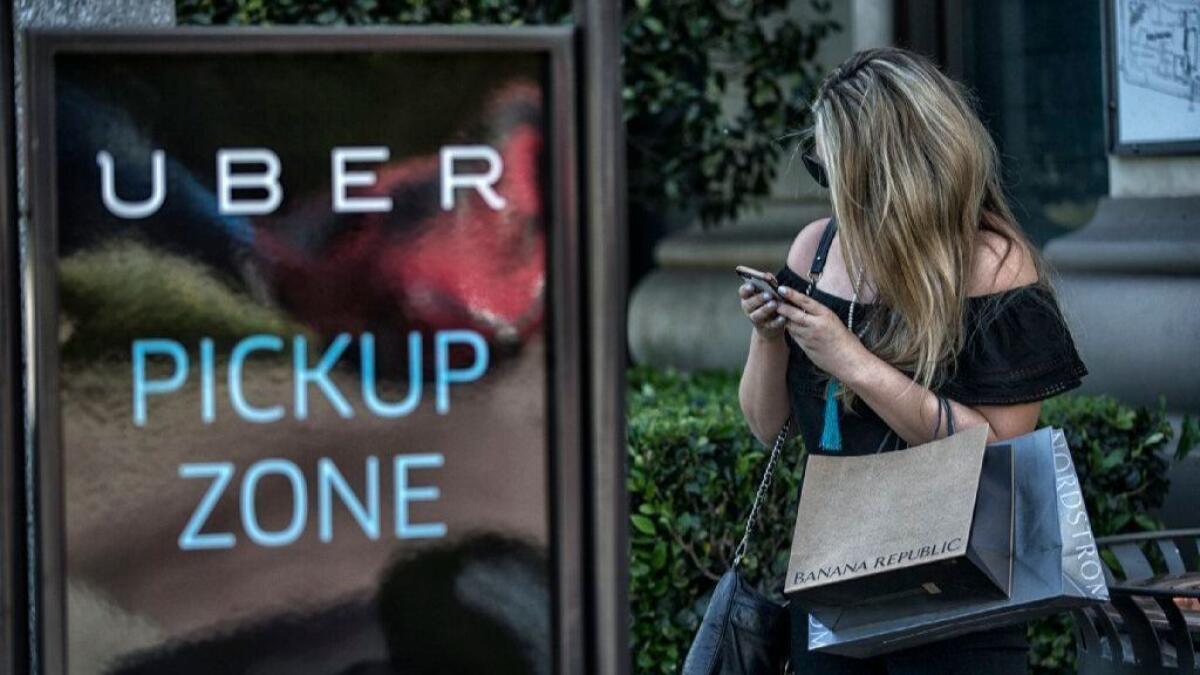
(887, 533)
(1055, 566)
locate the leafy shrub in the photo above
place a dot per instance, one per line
(682, 61)
(1119, 455)
(368, 12)
(694, 468)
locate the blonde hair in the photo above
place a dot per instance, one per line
(913, 176)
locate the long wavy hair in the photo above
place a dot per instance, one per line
(913, 176)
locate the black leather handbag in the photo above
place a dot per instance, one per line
(743, 632)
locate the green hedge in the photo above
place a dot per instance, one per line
(694, 467)
(693, 470)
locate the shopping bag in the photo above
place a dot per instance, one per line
(1055, 566)
(893, 532)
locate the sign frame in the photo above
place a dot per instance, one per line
(606, 259)
(12, 561)
(1112, 117)
(567, 492)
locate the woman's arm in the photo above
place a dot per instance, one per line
(763, 390)
(908, 408)
(912, 410)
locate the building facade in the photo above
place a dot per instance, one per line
(1121, 230)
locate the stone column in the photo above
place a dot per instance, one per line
(873, 23)
(685, 314)
(1129, 284)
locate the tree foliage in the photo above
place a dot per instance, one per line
(713, 90)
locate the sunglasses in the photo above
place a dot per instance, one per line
(815, 168)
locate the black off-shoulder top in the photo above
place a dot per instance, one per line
(1017, 350)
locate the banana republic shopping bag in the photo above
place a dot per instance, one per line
(1055, 565)
(886, 533)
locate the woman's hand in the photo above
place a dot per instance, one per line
(821, 334)
(761, 309)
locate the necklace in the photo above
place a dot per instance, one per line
(812, 284)
(831, 431)
(854, 301)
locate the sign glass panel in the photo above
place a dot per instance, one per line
(303, 361)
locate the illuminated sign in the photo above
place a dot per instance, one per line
(306, 350)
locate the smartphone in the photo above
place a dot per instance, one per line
(765, 282)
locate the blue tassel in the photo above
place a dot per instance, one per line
(831, 433)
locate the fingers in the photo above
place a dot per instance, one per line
(794, 331)
(792, 313)
(760, 308)
(803, 301)
(754, 300)
(752, 305)
(812, 306)
(747, 291)
(802, 334)
(765, 312)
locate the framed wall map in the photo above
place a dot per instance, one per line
(1153, 76)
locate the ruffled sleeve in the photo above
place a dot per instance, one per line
(1018, 349)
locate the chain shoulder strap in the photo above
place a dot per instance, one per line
(763, 487)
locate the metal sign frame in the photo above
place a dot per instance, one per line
(12, 550)
(567, 417)
(1112, 117)
(606, 258)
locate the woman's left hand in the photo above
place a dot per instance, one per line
(821, 334)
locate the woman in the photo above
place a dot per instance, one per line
(928, 293)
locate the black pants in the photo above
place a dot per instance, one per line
(997, 652)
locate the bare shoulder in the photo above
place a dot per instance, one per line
(1000, 264)
(804, 247)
